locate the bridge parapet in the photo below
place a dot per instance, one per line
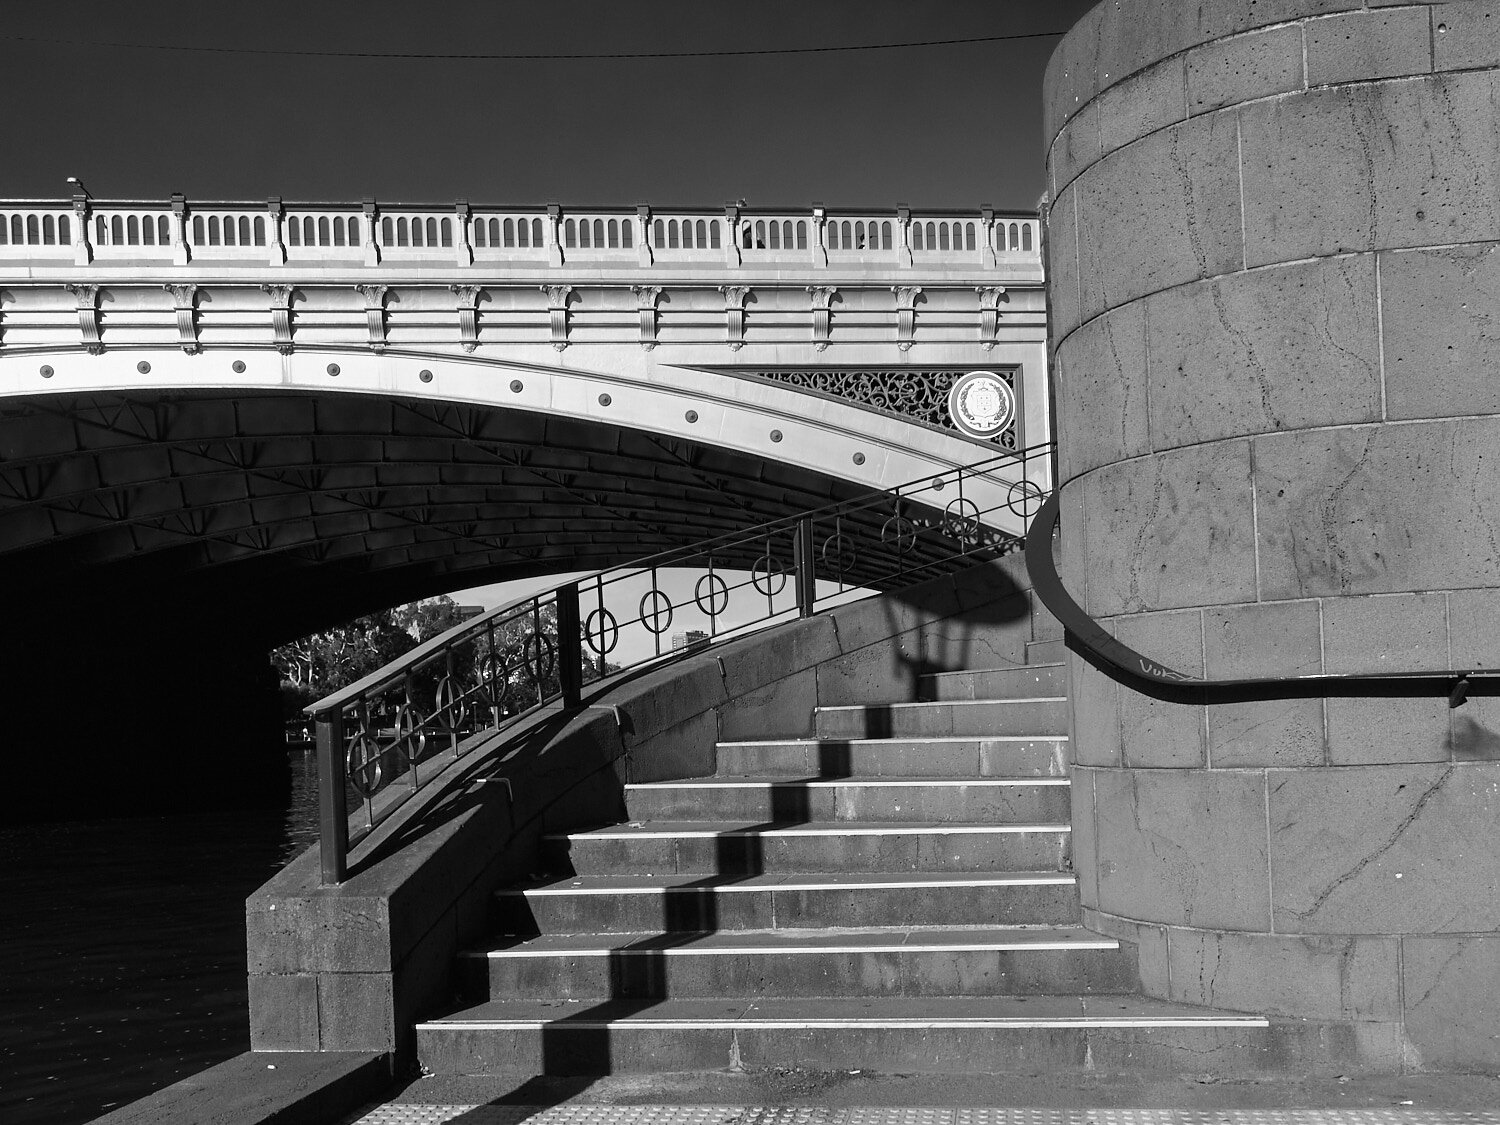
(272, 233)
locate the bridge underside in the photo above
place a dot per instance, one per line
(157, 543)
(293, 511)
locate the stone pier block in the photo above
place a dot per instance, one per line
(1362, 46)
(1386, 849)
(1154, 733)
(1101, 380)
(1184, 847)
(1265, 640)
(1163, 211)
(1452, 1004)
(1250, 353)
(1243, 67)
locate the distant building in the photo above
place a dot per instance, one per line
(690, 639)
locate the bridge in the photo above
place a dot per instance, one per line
(228, 424)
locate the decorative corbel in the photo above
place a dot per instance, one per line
(735, 297)
(372, 243)
(468, 314)
(643, 253)
(183, 297)
(83, 249)
(990, 297)
(276, 218)
(281, 316)
(180, 255)
(463, 249)
(906, 314)
(557, 312)
(645, 304)
(822, 298)
(88, 316)
(375, 313)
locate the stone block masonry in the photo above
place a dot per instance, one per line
(1272, 236)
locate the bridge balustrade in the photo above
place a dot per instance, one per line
(270, 234)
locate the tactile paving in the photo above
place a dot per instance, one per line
(857, 1115)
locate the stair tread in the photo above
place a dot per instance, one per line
(787, 881)
(892, 740)
(986, 671)
(860, 939)
(699, 829)
(751, 781)
(944, 703)
(1098, 1010)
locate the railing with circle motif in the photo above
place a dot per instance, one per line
(394, 731)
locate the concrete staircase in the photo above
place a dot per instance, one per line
(893, 894)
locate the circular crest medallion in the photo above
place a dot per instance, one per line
(981, 404)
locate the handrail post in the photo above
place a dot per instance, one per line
(804, 563)
(333, 809)
(569, 646)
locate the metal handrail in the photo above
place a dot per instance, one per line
(1123, 664)
(429, 705)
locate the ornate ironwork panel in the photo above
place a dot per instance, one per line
(917, 393)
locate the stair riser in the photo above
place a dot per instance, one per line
(753, 855)
(1298, 1049)
(835, 758)
(796, 975)
(998, 683)
(1046, 652)
(1049, 717)
(705, 910)
(797, 804)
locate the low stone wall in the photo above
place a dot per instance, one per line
(1274, 242)
(352, 967)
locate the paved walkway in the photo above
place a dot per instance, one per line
(787, 1097)
(866, 1115)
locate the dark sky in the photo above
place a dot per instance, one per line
(936, 126)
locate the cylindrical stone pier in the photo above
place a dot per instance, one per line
(1274, 269)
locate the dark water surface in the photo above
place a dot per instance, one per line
(122, 950)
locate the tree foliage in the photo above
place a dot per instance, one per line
(322, 663)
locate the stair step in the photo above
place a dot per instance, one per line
(977, 799)
(891, 1034)
(739, 848)
(1041, 716)
(1021, 682)
(944, 756)
(1054, 651)
(924, 961)
(688, 902)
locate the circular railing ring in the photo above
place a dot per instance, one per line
(1030, 498)
(364, 769)
(717, 589)
(651, 618)
(961, 520)
(764, 572)
(838, 554)
(408, 745)
(899, 532)
(601, 624)
(539, 655)
(452, 707)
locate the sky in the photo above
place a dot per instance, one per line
(301, 100)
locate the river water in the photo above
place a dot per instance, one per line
(122, 950)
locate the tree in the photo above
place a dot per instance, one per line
(322, 663)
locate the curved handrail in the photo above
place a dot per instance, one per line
(426, 705)
(1125, 665)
